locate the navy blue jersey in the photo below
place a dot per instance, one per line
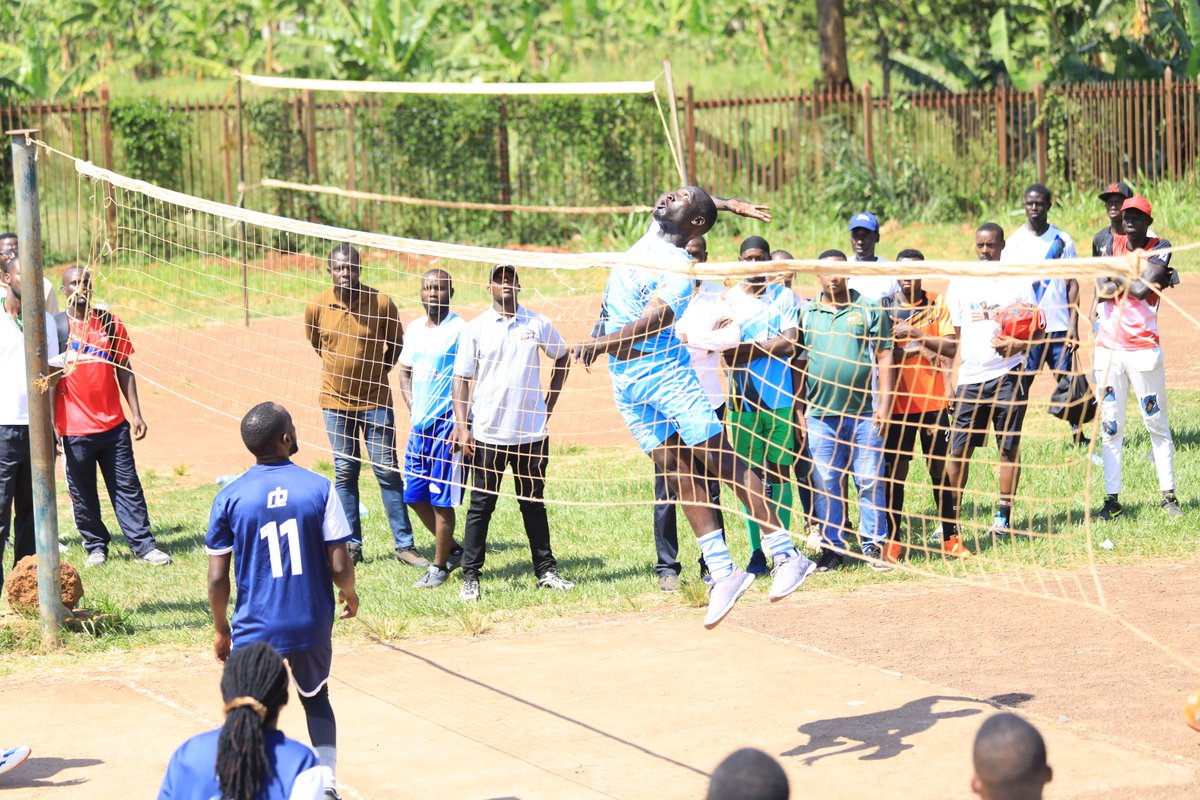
(278, 520)
(295, 772)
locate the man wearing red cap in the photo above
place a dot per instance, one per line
(1128, 355)
(1113, 197)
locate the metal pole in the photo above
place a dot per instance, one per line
(242, 204)
(41, 436)
(685, 169)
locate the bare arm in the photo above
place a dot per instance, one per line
(782, 346)
(462, 414)
(1153, 278)
(887, 387)
(311, 329)
(743, 208)
(1073, 305)
(941, 345)
(128, 383)
(656, 316)
(342, 570)
(405, 380)
(218, 601)
(562, 366)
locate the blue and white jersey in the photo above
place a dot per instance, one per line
(764, 383)
(429, 353)
(630, 290)
(277, 520)
(295, 772)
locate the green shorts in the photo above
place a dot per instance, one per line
(761, 437)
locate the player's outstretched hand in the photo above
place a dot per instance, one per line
(350, 601)
(222, 642)
(744, 208)
(585, 353)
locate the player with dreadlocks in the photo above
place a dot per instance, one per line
(254, 760)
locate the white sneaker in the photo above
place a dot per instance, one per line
(723, 593)
(96, 558)
(788, 574)
(62, 547)
(157, 557)
(13, 757)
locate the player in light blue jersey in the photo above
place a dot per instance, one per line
(663, 403)
(432, 468)
(248, 757)
(285, 532)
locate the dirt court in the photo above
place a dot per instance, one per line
(876, 692)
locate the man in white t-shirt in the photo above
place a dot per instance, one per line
(1038, 240)
(500, 416)
(990, 385)
(16, 476)
(8, 250)
(864, 236)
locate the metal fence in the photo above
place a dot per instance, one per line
(781, 148)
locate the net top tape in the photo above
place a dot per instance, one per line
(400, 87)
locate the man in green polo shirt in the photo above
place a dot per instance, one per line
(848, 341)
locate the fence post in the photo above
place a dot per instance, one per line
(689, 114)
(868, 135)
(502, 161)
(41, 435)
(1001, 129)
(1039, 101)
(241, 201)
(106, 144)
(1169, 109)
(310, 134)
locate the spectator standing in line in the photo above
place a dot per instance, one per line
(864, 237)
(1010, 760)
(1038, 240)
(356, 331)
(925, 348)
(844, 336)
(1129, 357)
(16, 472)
(9, 249)
(432, 468)
(93, 427)
(706, 332)
(990, 384)
(1113, 197)
(761, 391)
(500, 416)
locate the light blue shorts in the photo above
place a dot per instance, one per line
(658, 398)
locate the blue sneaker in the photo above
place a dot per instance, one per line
(758, 563)
(1000, 529)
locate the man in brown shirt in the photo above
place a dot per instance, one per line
(357, 333)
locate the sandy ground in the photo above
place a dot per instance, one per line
(879, 688)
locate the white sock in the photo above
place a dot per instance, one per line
(716, 554)
(328, 757)
(779, 544)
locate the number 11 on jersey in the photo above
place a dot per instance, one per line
(272, 532)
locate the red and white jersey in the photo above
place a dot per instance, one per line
(1124, 322)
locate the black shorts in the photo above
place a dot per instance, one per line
(310, 668)
(933, 427)
(1001, 401)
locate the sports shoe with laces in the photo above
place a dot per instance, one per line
(96, 558)
(470, 590)
(873, 555)
(455, 559)
(788, 574)
(1110, 511)
(1000, 529)
(954, 548)
(355, 553)
(829, 562)
(1170, 504)
(411, 556)
(157, 557)
(758, 563)
(550, 579)
(434, 576)
(723, 593)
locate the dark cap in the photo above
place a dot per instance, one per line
(503, 268)
(754, 243)
(1120, 187)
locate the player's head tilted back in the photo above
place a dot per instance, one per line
(686, 213)
(748, 774)
(989, 242)
(437, 288)
(345, 265)
(254, 687)
(1010, 760)
(269, 433)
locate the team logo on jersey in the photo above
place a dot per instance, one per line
(983, 311)
(527, 333)
(1150, 404)
(1109, 428)
(277, 498)
(1110, 394)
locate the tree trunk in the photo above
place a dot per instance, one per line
(831, 30)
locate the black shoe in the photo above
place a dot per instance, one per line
(830, 562)
(455, 559)
(874, 558)
(355, 551)
(1170, 504)
(1111, 510)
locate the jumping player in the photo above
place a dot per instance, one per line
(665, 407)
(1129, 356)
(285, 531)
(990, 388)
(432, 469)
